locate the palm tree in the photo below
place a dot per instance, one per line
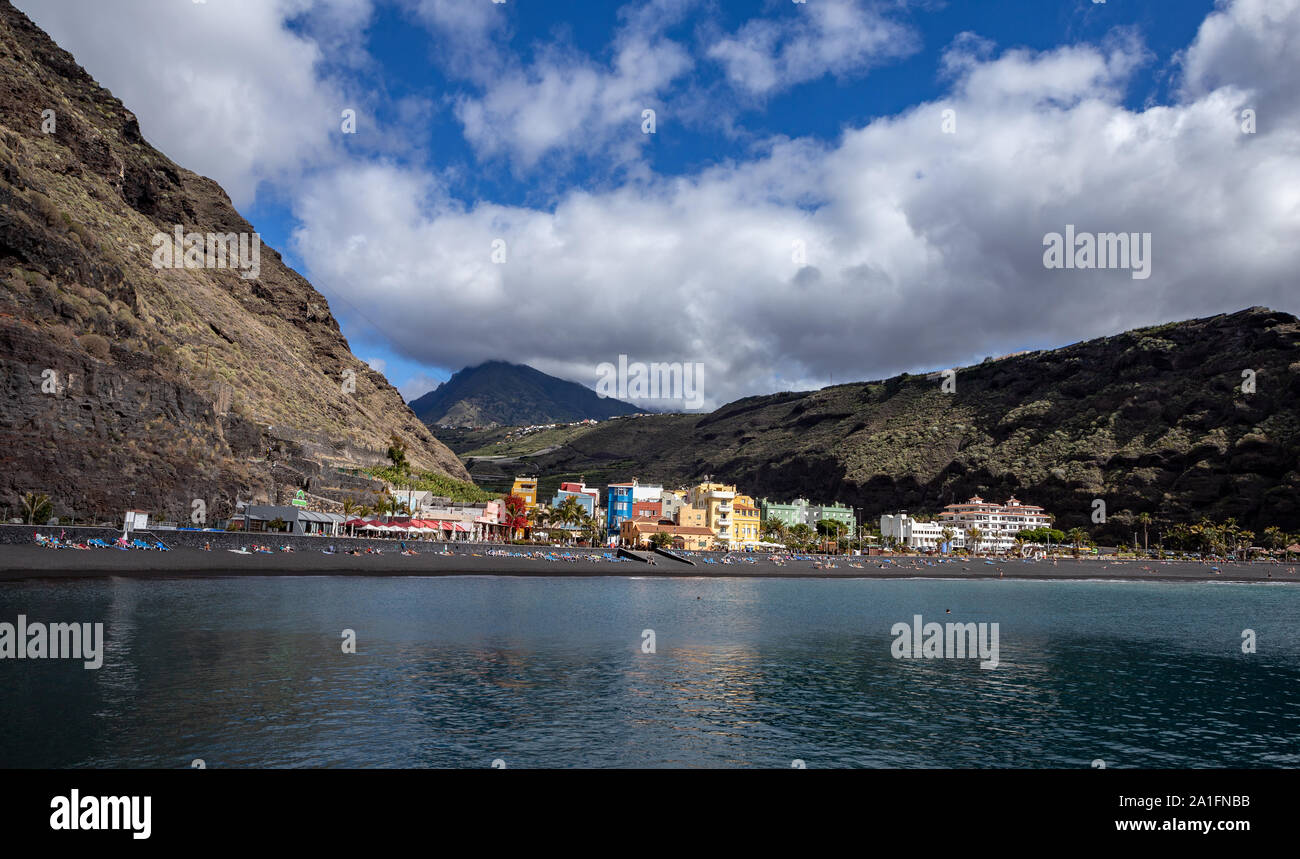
(540, 519)
(946, 536)
(37, 508)
(570, 512)
(591, 529)
(1144, 519)
(350, 507)
(1274, 538)
(1076, 536)
(973, 537)
(774, 530)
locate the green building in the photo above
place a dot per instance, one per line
(800, 512)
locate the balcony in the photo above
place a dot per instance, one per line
(722, 496)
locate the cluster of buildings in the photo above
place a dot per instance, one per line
(708, 515)
(704, 516)
(976, 524)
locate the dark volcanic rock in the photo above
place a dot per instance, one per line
(167, 384)
(1153, 420)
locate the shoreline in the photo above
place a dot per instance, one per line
(28, 562)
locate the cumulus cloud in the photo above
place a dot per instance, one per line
(564, 102)
(808, 41)
(898, 247)
(226, 89)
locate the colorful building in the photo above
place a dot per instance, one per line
(716, 500)
(637, 532)
(526, 488)
(587, 497)
(746, 526)
(622, 497)
(647, 510)
(800, 512)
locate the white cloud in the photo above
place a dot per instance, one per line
(224, 88)
(377, 364)
(564, 102)
(924, 249)
(808, 41)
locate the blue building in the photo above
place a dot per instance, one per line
(618, 506)
(586, 497)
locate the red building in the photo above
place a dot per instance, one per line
(648, 510)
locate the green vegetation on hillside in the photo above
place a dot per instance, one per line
(430, 481)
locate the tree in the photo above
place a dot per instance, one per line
(831, 529)
(350, 507)
(397, 453)
(591, 529)
(37, 508)
(1144, 519)
(661, 539)
(539, 521)
(1077, 536)
(946, 536)
(800, 535)
(973, 537)
(570, 512)
(1274, 538)
(774, 530)
(515, 519)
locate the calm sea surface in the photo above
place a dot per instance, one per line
(549, 672)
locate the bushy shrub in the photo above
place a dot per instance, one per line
(95, 345)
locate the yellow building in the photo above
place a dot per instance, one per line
(716, 499)
(746, 525)
(526, 488)
(637, 533)
(689, 517)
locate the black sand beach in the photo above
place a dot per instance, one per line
(35, 562)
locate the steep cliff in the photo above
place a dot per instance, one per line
(129, 384)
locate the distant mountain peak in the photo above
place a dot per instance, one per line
(499, 392)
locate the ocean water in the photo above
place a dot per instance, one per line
(550, 672)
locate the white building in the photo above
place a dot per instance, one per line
(925, 536)
(998, 524)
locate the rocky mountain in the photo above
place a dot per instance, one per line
(135, 373)
(497, 392)
(1179, 421)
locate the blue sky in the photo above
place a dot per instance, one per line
(777, 123)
